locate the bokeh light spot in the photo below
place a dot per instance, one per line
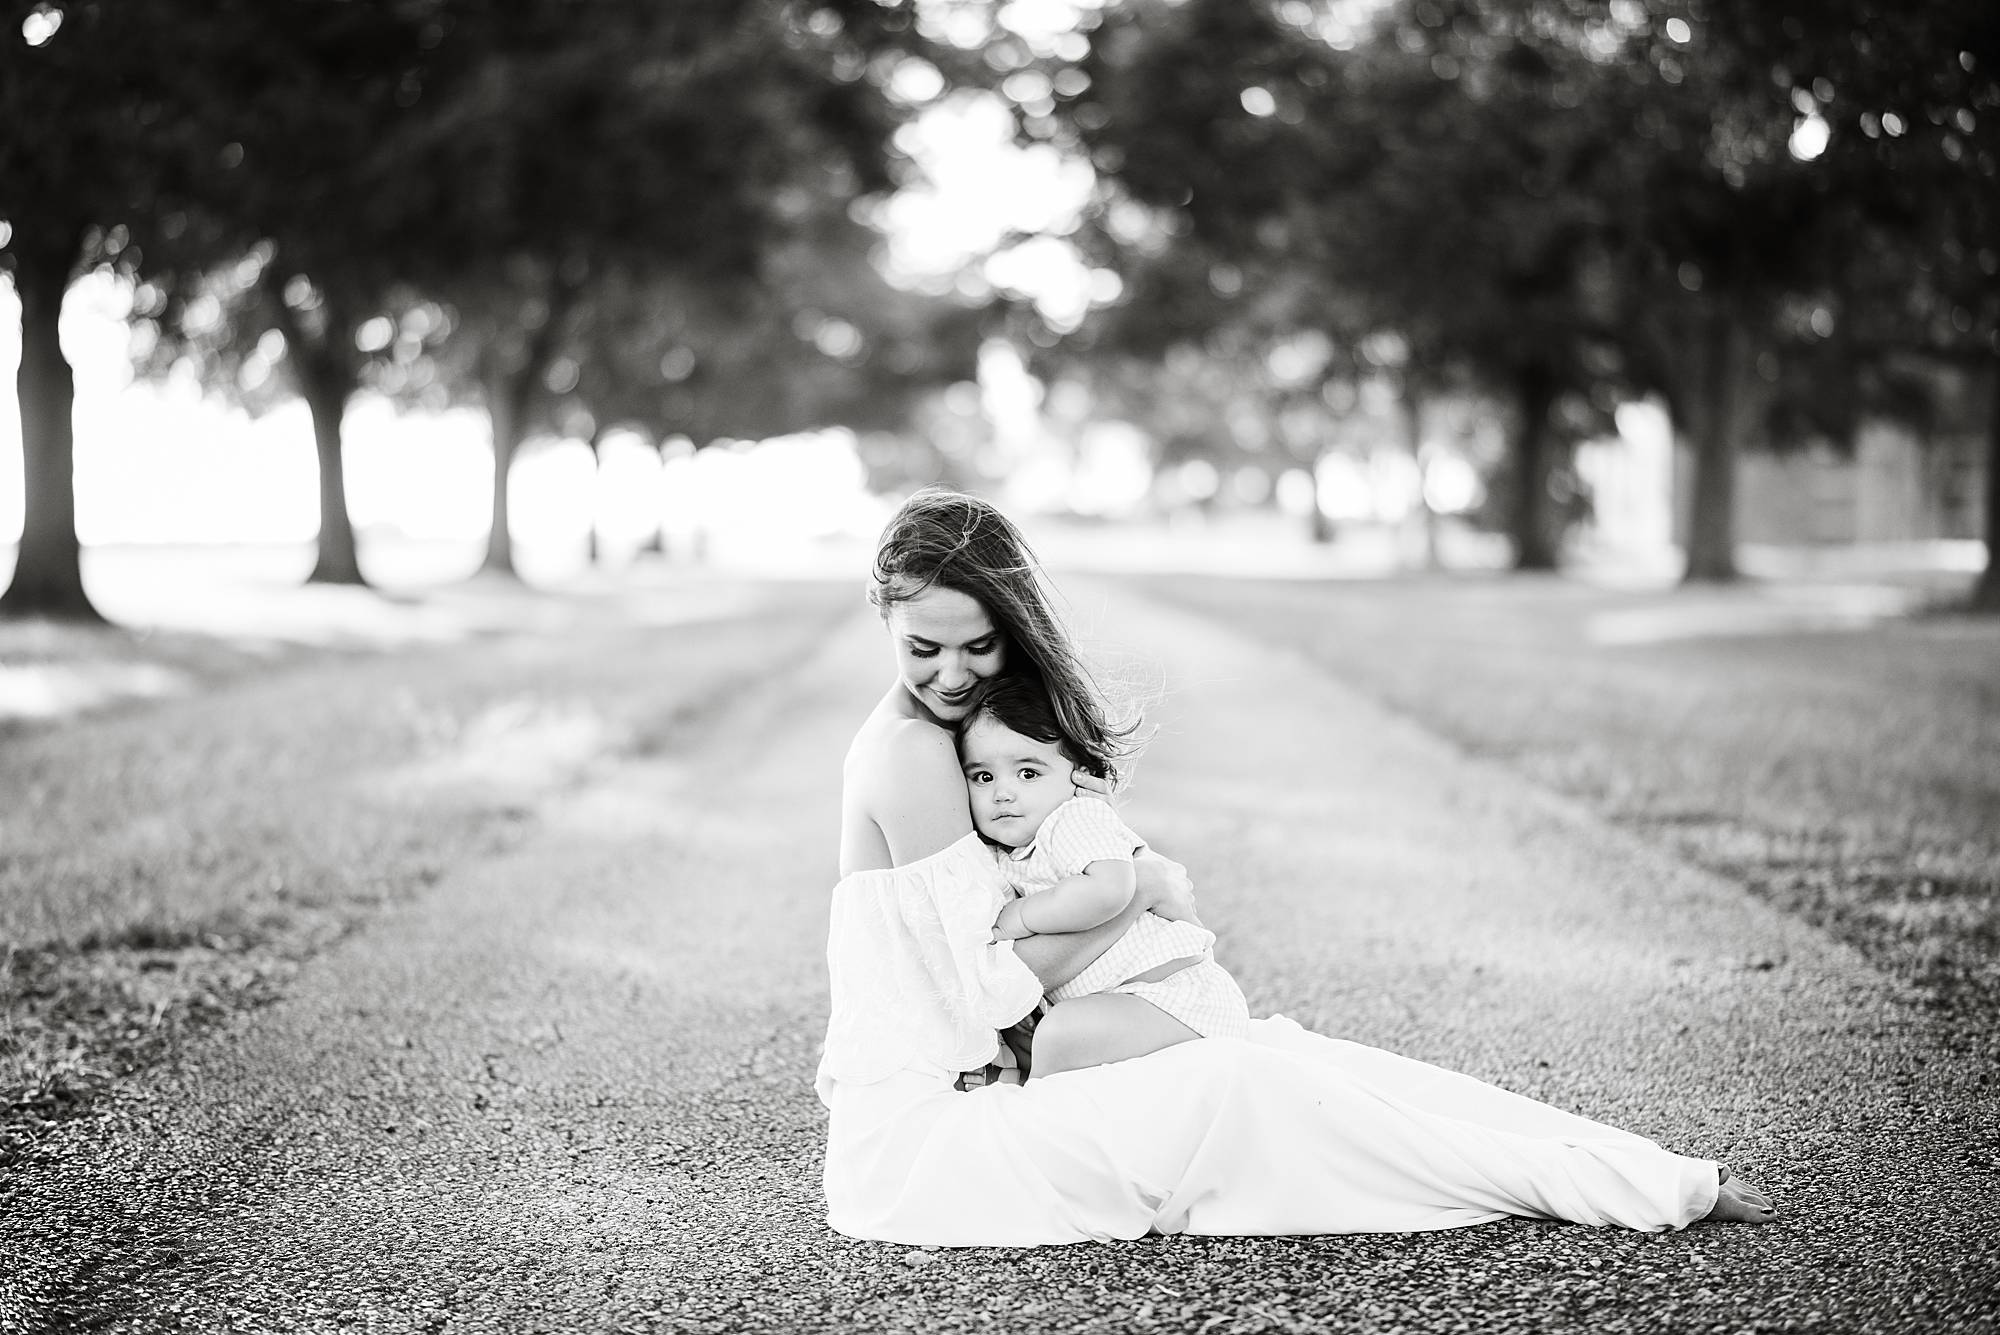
(562, 375)
(1198, 479)
(375, 333)
(41, 25)
(677, 364)
(1809, 137)
(916, 81)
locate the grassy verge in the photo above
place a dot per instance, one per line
(1848, 775)
(166, 862)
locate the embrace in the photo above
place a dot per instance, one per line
(1031, 1041)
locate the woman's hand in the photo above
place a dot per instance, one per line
(1090, 785)
(1164, 887)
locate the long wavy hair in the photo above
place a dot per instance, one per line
(946, 539)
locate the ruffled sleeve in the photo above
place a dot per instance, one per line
(915, 977)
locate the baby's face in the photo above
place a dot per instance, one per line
(1014, 781)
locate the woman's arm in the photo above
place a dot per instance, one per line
(1165, 886)
(1162, 882)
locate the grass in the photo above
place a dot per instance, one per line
(165, 862)
(1849, 775)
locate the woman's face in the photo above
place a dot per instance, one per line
(945, 645)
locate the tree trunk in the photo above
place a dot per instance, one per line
(1711, 547)
(509, 390)
(1413, 421)
(593, 545)
(328, 387)
(48, 576)
(655, 543)
(1318, 527)
(1986, 594)
(506, 408)
(1534, 532)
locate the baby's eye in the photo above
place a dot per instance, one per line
(1031, 774)
(980, 776)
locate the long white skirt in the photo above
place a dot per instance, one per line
(1287, 1132)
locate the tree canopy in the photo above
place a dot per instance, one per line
(1565, 203)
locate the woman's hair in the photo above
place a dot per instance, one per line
(950, 540)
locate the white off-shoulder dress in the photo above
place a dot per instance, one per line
(1286, 1132)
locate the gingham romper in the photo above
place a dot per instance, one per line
(1201, 996)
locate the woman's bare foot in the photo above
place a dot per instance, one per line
(1739, 1202)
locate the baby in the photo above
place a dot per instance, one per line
(1069, 861)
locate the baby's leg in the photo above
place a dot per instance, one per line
(1103, 1027)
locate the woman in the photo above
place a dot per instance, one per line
(1284, 1133)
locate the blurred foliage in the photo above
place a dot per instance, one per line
(457, 200)
(109, 125)
(822, 338)
(1749, 211)
(1776, 217)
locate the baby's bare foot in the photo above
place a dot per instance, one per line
(1739, 1202)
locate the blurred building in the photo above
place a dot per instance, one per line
(1896, 486)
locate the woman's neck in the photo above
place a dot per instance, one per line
(908, 706)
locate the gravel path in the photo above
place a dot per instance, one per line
(569, 1088)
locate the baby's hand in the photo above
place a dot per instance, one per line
(1090, 785)
(1008, 926)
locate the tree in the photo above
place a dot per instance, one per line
(1907, 100)
(687, 142)
(1414, 179)
(1718, 229)
(320, 218)
(822, 340)
(1815, 185)
(659, 142)
(110, 122)
(504, 162)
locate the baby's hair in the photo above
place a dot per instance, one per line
(954, 541)
(1021, 705)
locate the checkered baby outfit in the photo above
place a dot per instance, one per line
(1202, 996)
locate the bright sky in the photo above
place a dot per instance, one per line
(981, 188)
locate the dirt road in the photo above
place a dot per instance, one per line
(569, 1088)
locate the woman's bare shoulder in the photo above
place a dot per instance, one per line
(892, 733)
(896, 753)
(902, 776)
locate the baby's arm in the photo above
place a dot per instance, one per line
(1163, 882)
(1061, 956)
(1076, 903)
